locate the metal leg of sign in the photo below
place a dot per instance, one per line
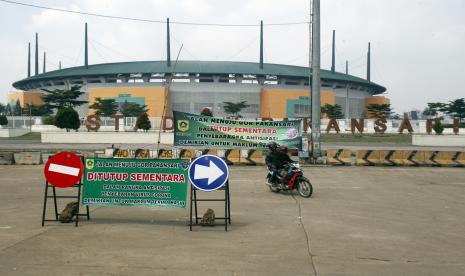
(194, 210)
(45, 203)
(55, 198)
(55, 202)
(229, 201)
(190, 210)
(195, 205)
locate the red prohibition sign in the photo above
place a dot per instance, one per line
(63, 169)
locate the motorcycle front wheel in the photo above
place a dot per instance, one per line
(305, 188)
(274, 189)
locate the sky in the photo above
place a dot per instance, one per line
(418, 47)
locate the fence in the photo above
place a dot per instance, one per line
(128, 124)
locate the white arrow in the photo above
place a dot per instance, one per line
(211, 172)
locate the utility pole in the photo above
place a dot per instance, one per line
(86, 48)
(29, 60)
(347, 91)
(316, 79)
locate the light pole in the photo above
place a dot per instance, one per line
(30, 116)
(315, 92)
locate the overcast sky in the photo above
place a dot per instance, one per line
(418, 47)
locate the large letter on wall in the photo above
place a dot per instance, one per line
(354, 124)
(429, 124)
(456, 126)
(380, 125)
(168, 123)
(405, 125)
(117, 117)
(305, 122)
(332, 124)
(93, 123)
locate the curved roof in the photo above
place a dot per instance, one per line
(194, 67)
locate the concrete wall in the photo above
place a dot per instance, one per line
(154, 96)
(439, 140)
(193, 97)
(106, 137)
(13, 132)
(26, 98)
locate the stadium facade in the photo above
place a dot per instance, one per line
(270, 90)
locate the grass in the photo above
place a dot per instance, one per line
(366, 138)
(33, 136)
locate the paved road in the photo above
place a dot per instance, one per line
(360, 221)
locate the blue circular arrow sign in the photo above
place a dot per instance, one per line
(208, 173)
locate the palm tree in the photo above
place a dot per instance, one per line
(235, 108)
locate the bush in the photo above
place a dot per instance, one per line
(48, 120)
(67, 118)
(206, 112)
(438, 127)
(143, 122)
(3, 120)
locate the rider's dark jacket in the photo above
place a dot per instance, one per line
(277, 159)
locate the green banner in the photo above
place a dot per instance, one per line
(192, 130)
(135, 182)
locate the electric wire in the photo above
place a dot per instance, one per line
(184, 48)
(250, 43)
(111, 49)
(150, 20)
(165, 103)
(98, 52)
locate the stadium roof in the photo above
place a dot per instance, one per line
(193, 67)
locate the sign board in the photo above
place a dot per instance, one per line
(192, 130)
(63, 169)
(208, 173)
(135, 182)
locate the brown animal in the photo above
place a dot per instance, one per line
(69, 212)
(208, 218)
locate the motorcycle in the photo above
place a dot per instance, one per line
(295, 180)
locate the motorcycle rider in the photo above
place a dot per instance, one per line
(276, 161)
(270, 161)
(283, 161)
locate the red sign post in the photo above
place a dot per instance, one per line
(63, 169)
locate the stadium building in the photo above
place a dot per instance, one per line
(270, 90)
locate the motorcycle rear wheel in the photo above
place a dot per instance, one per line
(305, 188)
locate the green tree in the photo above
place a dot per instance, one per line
(132, 109)
(379, 111)
(2, 109)
(104, 107)
(48, 120)
(8, 110)
(3, 120)
(438, 127)
(37, 110)
(206, 112)
(143, 122)
(332, 111)
(58, 98)
(433, 109)
(456, 108)
(17, 109)
(67, 118)
(235, 108)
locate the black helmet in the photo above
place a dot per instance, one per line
(272, 146)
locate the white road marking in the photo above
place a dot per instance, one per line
(5, 227)
(63, 169)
